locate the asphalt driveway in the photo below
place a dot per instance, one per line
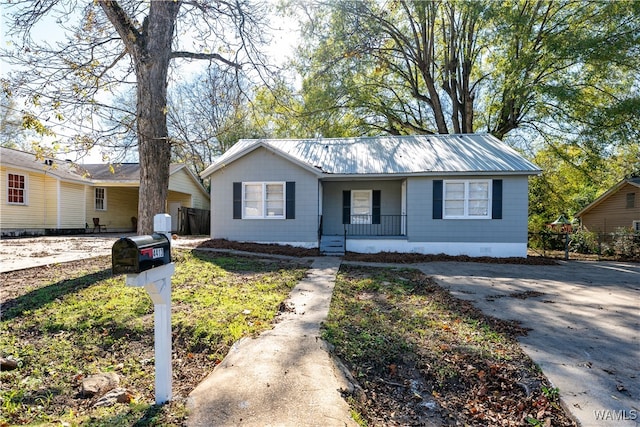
(585, 326)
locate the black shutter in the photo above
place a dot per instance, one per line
(437, 199)
(346, 207)
(291, 200)
(237, 200)
(376, 207)
(496, 202)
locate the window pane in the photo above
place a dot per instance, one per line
(275, 208)
(253, 208)
(361, 207)
(478, 207)
(455, 191)
(253, 192)
(15, 188)
(275, 192)
(100, 193)
(478, 190)
(275, 200)
(361, 202)
(454, 207)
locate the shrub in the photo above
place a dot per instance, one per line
(584, 242)
(626, 243)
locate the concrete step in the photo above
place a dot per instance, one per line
(332, 245)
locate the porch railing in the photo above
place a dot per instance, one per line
(376, 225)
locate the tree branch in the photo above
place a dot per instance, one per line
(209, 56)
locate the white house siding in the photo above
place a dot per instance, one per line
(260, 166)
(71, 206)
(475, 237)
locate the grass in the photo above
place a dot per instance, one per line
(409, 343)
(72, 326)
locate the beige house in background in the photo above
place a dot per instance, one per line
(57, 197)
(618, 207)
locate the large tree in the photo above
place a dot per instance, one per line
(447, 66)
(71, 75)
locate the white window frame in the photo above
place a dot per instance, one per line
(263, 205)
(466, 199)
(636, 226)
(362, 217)
(104, 199)
(25, 190)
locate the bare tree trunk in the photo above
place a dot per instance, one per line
(154, 145)
(150, 50)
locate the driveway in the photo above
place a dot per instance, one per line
(585, 322)
(28, 252)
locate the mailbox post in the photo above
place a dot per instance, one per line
(146, 260)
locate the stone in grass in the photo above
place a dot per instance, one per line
(117, 395)
(7, 364)
(99, 383)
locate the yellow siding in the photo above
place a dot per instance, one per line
(72, 213)
(193, 195)
(183, 199)
(612, 212)
(121, 205)
(57, 204)
(28, 216)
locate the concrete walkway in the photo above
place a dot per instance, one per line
(284, 377)
(585, 321)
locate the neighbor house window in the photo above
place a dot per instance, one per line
(263, 200)
(631, 200)
(101, 199)
(16, 189)
(467, 199)
(361, 206)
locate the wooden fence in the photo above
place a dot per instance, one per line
(193, 221)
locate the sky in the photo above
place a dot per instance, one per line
(283, 44)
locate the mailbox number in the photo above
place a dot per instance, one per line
(153, 252)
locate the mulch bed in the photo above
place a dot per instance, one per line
(386, 257)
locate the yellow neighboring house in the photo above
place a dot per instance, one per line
(58, 197)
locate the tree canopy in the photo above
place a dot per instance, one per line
(558, 80)
(72, 75)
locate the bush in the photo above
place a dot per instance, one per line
(626, 243)
(584, 242)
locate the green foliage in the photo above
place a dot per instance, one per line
(584, 242)
(626, 243)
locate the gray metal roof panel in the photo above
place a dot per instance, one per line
(393, 154)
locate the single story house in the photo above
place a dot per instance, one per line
(453, 194)
(59, 197)
(617, 207)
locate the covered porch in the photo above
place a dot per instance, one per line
(361, 209)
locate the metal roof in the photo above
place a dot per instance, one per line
(391, 155)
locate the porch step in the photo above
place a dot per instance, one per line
(332, 245)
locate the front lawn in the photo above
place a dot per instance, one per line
(66, 322)
(423, 357)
